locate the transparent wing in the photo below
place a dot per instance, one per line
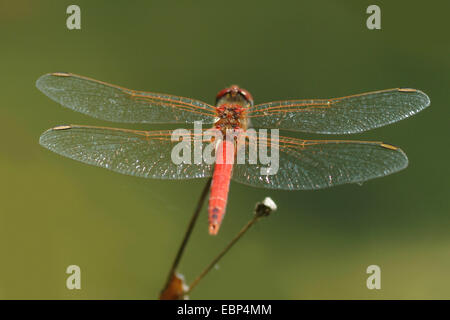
(138, 153)
(316, 164)
(113, 103)
(350, 114)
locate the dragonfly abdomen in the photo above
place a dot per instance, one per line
(220, 185)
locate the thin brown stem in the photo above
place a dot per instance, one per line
(222, 253)
(188, 233)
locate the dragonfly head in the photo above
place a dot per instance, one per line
(234, 94)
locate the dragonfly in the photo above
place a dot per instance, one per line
(303, 164)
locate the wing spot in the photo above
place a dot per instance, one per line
(388, 146)
(62, 127)
(61, 74)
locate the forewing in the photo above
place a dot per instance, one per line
(316, 164)
(138, 153)
(113, 103)
(344, 115)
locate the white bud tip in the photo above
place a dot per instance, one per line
(268, 202)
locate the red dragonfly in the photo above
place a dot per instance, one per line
(303, 164)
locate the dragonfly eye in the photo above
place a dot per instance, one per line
(246, 95)
(222, 93)
(234, 90)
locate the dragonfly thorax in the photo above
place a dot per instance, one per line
(231, 104)
(230, 117)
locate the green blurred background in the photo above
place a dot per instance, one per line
(124, 231)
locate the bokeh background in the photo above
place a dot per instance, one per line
(124, 231)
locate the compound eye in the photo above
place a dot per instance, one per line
(247, 96)
(222, 93)
(234, 90)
